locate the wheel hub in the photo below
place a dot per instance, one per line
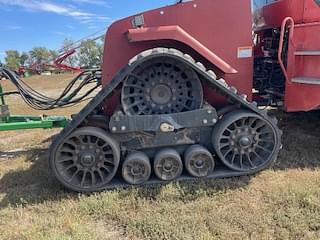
(199, 163)
(245, 141)
(88, 159)
(161, 94)
(168, 166)
(136, 170)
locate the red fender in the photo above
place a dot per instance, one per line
(178, 34)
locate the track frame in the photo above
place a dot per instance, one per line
(218, 85)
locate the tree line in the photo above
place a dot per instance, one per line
(88, 56)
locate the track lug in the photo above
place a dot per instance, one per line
(234, 90)
(212, 74)
(175, 52)
(255, 104)
(223, 83)
(189, 58)
(201, 66)
(244, 97)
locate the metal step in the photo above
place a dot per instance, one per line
(306, 80)
(307, 53)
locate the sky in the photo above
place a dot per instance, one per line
(46, 23)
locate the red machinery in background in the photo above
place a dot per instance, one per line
(59, 61)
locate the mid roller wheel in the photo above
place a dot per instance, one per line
(161, 86)
(87, 160)
(136, 169)
(198, 161)
(168, 165)
(244, 141)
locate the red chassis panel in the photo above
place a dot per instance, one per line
(220, 27)
(303, 53)
(301, 96)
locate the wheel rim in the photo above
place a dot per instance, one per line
(161, 86)
(168, 165)
(136, 168)
(199, 161)
(245, 141)
(87, 160)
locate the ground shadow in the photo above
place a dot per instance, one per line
(33, 185)
(36, 184)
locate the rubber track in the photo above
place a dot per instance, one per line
(219, 85)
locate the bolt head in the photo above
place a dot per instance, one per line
(205, 121)
(123, 128)
(114, 129)
(214, 121)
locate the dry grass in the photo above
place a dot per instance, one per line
(280, 203)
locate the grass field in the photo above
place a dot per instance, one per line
(280, 203)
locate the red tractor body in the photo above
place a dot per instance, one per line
(199, 28)
(219, 34)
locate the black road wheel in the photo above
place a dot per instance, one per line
(168, 164)
(136, 169)
(87, 160)
(245, 141)
(198, 161)
(161, 86)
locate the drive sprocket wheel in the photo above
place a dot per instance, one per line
(161, 86)
(87, 160)
(244, 141)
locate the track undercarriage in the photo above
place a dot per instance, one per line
(165, 129)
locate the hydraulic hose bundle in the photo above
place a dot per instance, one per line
(74, 93)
